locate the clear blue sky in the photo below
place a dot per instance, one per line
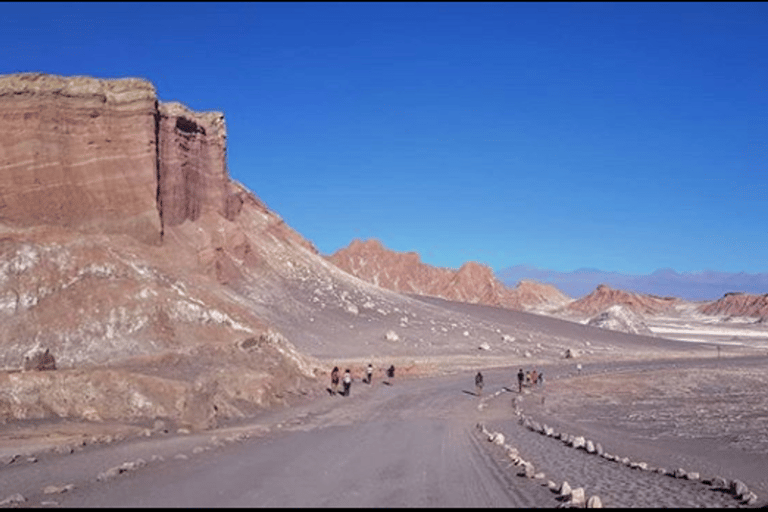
(623, 137)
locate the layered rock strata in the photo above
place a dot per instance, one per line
(105, 156)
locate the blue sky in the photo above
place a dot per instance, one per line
(625, 137)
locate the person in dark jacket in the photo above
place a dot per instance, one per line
(335, 380)
(520, 379)
(479, 384)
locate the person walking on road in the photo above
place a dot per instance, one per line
(335, 380)
(370, 372)
(347, 382)
(479, 384)
(520, 379)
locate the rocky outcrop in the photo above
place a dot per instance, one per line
(604, 297)
(192, 173)
(738, 304)
(104, 156)
(620, 318)
(473, 282)
(79, 153)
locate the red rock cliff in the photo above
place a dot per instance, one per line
(105, 156)
(79, 153)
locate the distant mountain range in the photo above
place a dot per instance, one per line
(705, 285)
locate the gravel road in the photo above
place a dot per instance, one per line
(411, 443)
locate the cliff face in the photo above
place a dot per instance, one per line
(123, 243)
(106, 156)
(473, 282)
(192, 175)
(79, 153)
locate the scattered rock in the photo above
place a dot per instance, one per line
(564, 490)
(571, 354)
(680, 473)
(739, 489)
(391, 336)
(528, 470)
(180, 456)
(590, 447)
(13, 499)
(719, 483)
(750, 499)
(578, 497)
(579, 442)
(58, 489)
(594, 502)
(693, 475)
(484, 346)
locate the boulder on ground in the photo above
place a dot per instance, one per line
(392, 336)
(40, 361)
(594, 502)
(578, 497)
(739, 489)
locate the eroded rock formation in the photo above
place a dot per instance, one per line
(79, 153)
(105, 156)
(604, 297)
(619, 318)
(738, 304)
(126, 250)
(473, 282)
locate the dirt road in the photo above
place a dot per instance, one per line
(405, 444)
(413, 443)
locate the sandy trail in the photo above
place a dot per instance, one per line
(412, 443)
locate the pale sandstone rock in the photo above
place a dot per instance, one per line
(13, 499)
(594, 502)
(578, 498)
(58, 489)
(739, 488)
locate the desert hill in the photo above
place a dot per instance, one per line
(472, 283)
(604, 297)
(738, 304)
(139, 282)
(158, 287)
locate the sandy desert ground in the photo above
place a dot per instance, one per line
(673, 405)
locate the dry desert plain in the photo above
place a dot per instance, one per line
(674, 415)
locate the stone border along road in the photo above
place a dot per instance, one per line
(612, 480)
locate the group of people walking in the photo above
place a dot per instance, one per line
(347, 379)
(533, 377)
(530, 378)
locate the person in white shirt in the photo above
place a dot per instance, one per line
(347, 382)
